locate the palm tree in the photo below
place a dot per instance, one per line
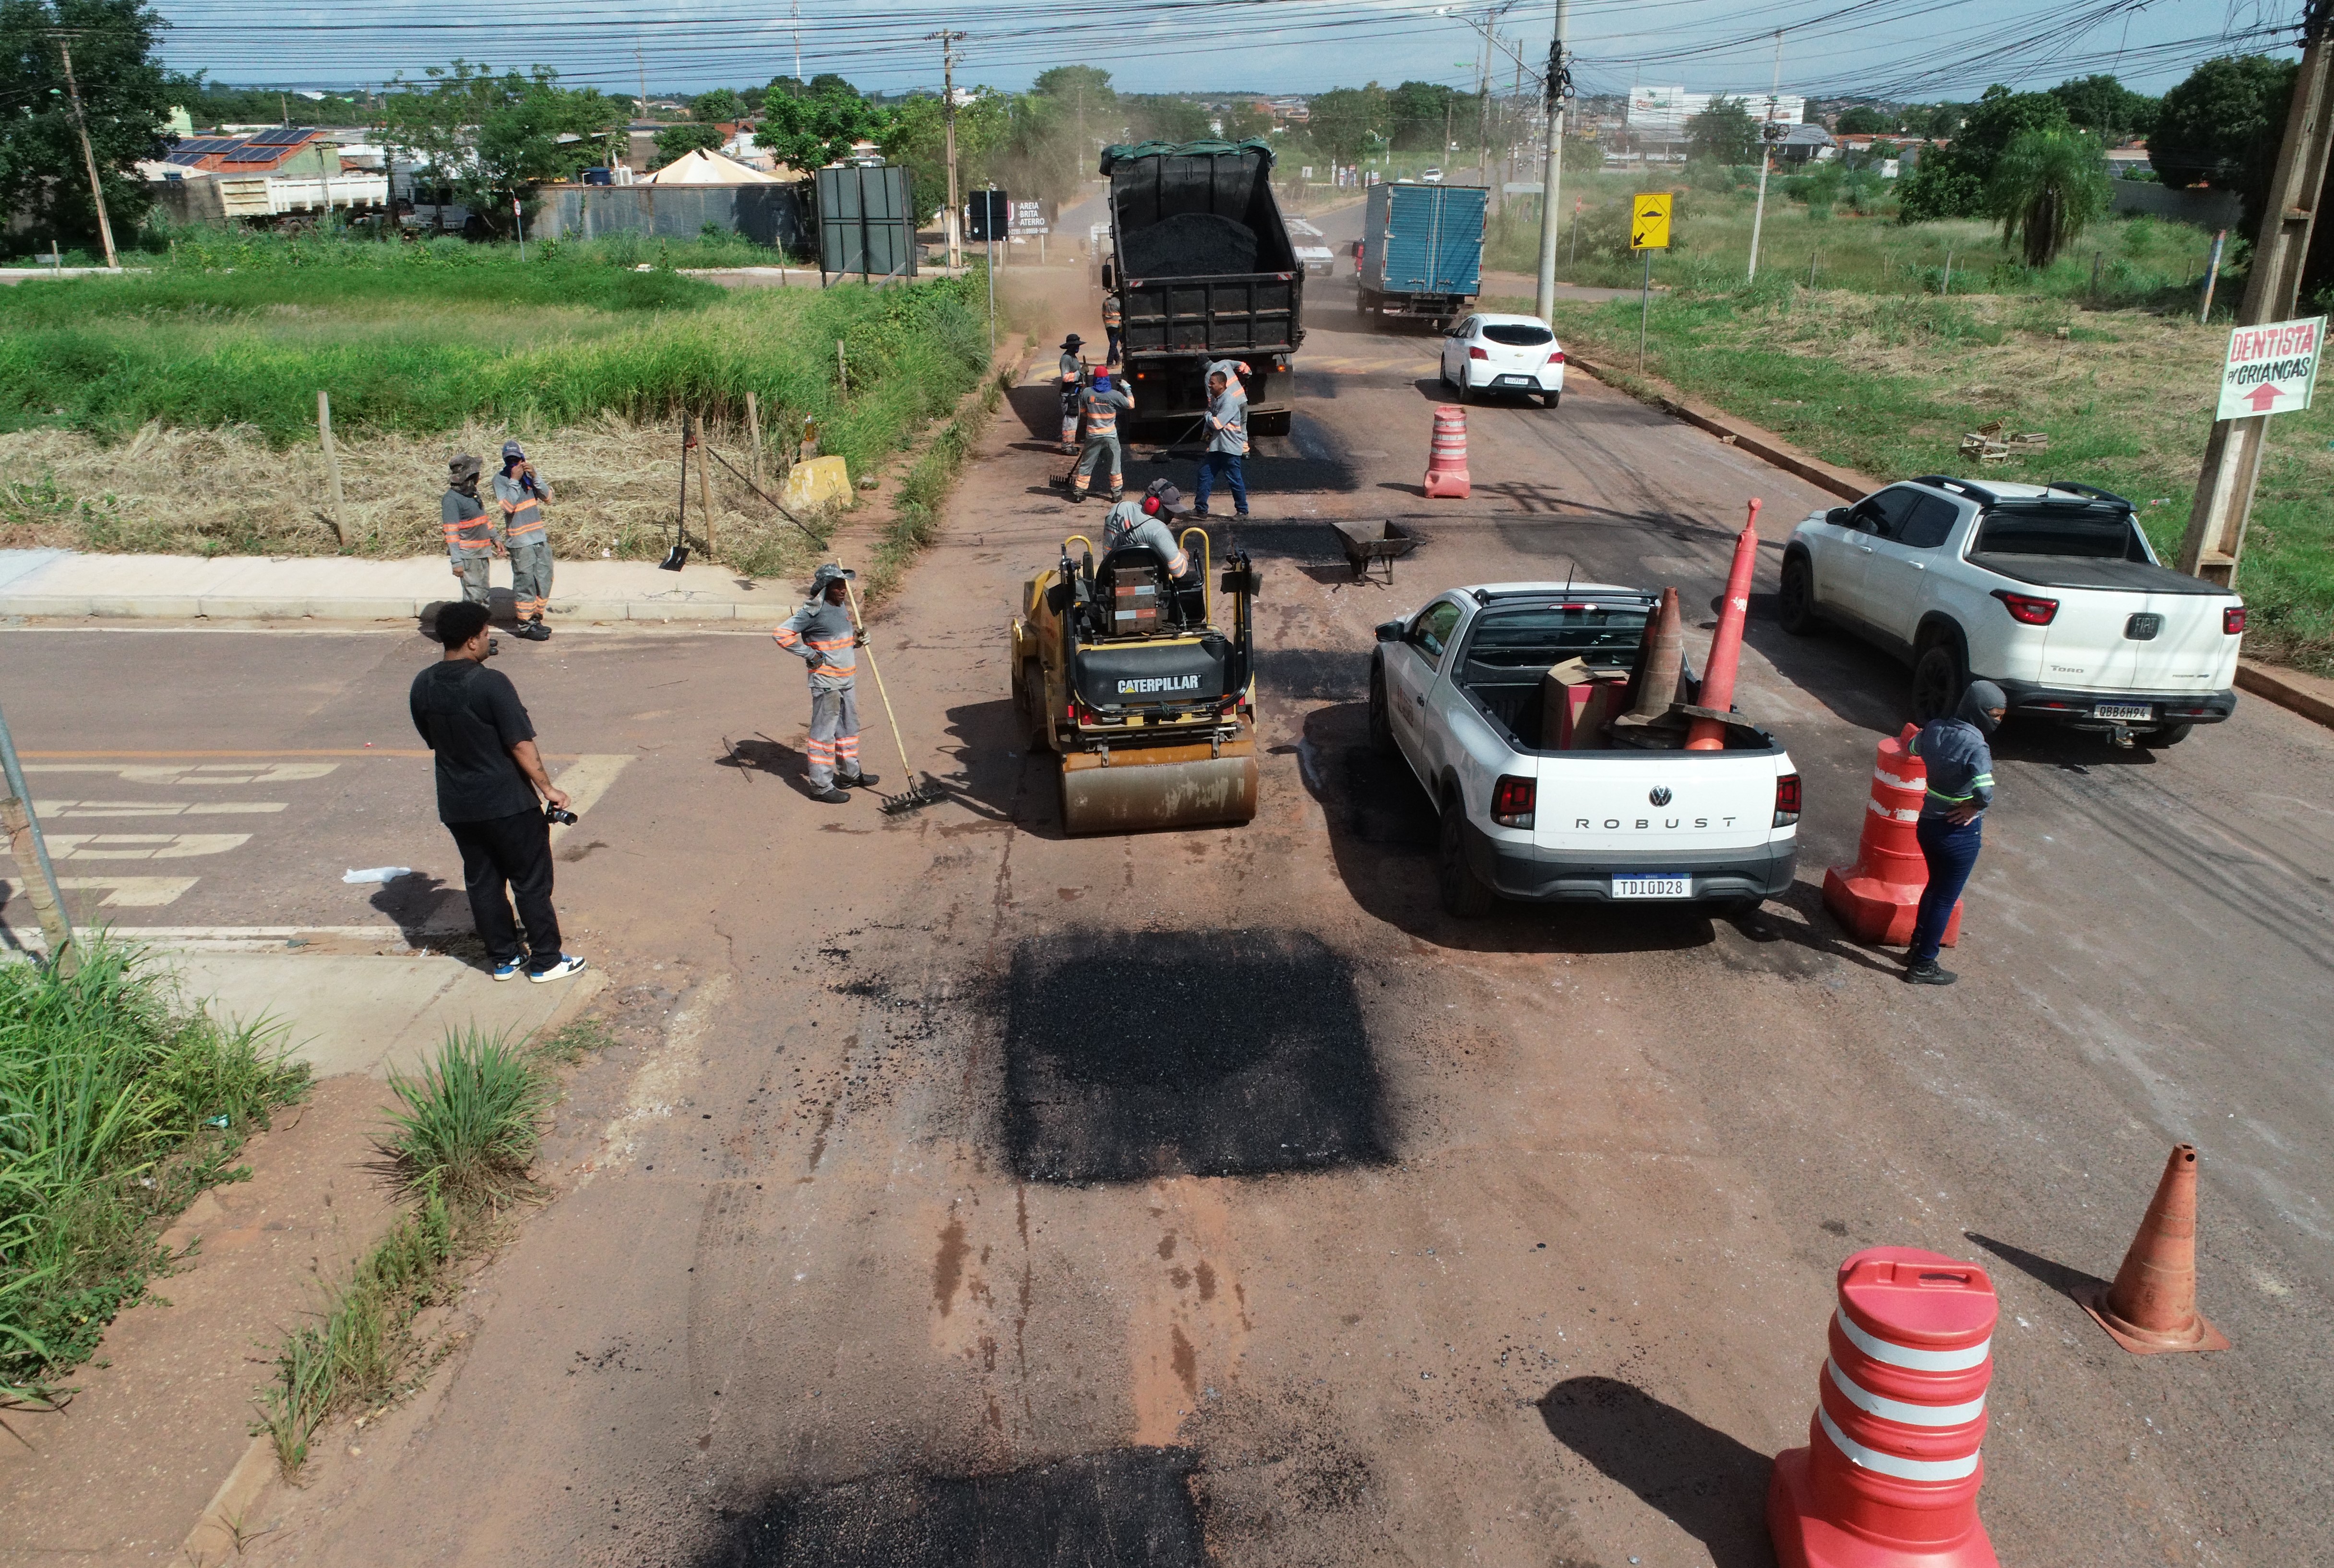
(2046, 189)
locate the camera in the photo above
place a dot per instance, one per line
(552, 814)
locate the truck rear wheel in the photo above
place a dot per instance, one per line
(1381, 723)
(2170, 735)
(1464, 895)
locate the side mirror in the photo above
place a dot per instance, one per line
(1837, 518)
(1106, 276)
(1389, 631)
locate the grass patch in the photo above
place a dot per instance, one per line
(916, 510)
(1889, 384)
(117, 1108)
(469, 1127)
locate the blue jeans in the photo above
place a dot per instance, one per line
(1227, 464)
(1952, 853)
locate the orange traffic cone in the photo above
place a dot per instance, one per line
(2151, 1308)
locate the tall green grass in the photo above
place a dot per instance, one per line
(472, 1119)
(108, 1094)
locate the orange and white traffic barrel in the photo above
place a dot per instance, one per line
(1878, 897)
(1890, 1475)
(1446, 458)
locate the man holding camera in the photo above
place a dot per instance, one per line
(489, 775)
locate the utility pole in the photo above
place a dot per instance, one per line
(87, 158)
(642, 60)
(2232, 455)
(948, 105)
(32, 855)
(798, 16)
(1559, 86)
(1483, 110)
(1766, 158)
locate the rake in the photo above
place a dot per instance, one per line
(916, 796)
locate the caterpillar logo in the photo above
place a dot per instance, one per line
(1157, 683)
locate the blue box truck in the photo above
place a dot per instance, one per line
(1422, 251)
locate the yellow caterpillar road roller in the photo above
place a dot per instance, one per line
(1139, 688)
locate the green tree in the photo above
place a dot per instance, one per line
(713, 107)
(124, 100)
(1071, 110)
(1416, 114)
(1725, 133)
(915, 136)
(491, 136)
(2107, 108)
(1159, 116)
(2047, 187)
(1244, 121)
(1941, 121)
(1346, 121)
(1865, 120)
(2225, 119)
(813, 129)
(1953, 182)
(680, 140)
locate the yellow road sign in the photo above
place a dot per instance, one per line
(1649, 220)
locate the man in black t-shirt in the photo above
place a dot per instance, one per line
(488, 776)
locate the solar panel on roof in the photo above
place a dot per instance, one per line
(283, 136)
(186, 160)
(206, 144)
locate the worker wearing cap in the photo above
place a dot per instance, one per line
(521, 495)
(1099, 405)
(1146, 521)
(470, 532)
(1227, 426)
(821, 635)
(1114, 327)
(1960, 786)
(1070, 374)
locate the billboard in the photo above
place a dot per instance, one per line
(1660, 113)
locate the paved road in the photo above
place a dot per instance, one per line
(1211, 1193)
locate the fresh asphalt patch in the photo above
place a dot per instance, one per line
(1129, 1509)
(1131, 1055)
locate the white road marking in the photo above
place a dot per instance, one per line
(217, 772)
(130, 892)
(157, 808)
(141, 846)
(585, 779)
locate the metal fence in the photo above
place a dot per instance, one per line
(772, 215)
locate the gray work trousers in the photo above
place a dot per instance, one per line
(1092, 462)
(833, 746)
(473, 569)
(530, 577)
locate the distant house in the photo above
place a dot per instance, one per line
(1805, 144)
(270, 173)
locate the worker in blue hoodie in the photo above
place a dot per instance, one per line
(1960, 786)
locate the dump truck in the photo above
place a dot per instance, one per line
(1203, 269)
(1422, 252)
(1140, 688)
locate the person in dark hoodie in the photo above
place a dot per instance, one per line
(1960, 786)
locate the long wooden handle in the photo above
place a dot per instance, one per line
(859, 627)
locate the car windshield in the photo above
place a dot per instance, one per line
(1529, 639)
(2085, 533)
(1518, 334)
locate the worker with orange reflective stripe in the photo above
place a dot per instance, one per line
(470, 533)
(821, 635)
(1100, 405)
(521, 495)
(1070, 378)
(1114, 327)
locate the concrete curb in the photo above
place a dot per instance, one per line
(217, 1535)
(2306, 694)
(243, 607)
(1763, 445)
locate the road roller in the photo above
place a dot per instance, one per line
(1140, 687)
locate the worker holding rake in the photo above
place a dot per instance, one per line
(821, 634)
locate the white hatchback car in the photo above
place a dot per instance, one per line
(1493, 354)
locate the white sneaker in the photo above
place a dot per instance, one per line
(568, 965)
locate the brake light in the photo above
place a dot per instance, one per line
(1787, 800)
(1477, 353)
(2233, 621)
(1556, 358)
(2027, 610)
(1511, 802)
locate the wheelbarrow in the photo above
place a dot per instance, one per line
(1367, 543)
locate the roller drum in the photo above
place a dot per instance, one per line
(1131, 795)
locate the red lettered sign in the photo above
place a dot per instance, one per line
(2271, 368)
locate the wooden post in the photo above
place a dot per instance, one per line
(688, 439)
(331, 462)
(705, 493)
(841, 369)
(754, 433)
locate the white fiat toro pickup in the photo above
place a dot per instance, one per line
(2052, 591)
(1457, 689)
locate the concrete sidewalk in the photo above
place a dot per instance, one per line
(70, 584)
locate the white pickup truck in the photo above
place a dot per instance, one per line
(1456, 689)
(2050, 592)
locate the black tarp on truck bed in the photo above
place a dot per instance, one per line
(1205, 262)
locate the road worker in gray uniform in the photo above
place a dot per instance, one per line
(1070, 377)
(1099, 406)
(470, 532)
(1144, 522)
(821, 635)
(520, 495)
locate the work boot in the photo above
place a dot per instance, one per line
(1928, 974)
(864, 781)
(831, 795)
(532, 631)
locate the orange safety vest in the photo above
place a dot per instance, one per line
(520, 518)
(1100, 409)
(1113, 312)
(465, 534)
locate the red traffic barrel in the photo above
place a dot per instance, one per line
(1878, 897)
(1890, 1475)
(1446, 458)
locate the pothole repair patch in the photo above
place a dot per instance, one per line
(1136, 1055)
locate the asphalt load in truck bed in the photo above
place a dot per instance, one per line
(1189, 244)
